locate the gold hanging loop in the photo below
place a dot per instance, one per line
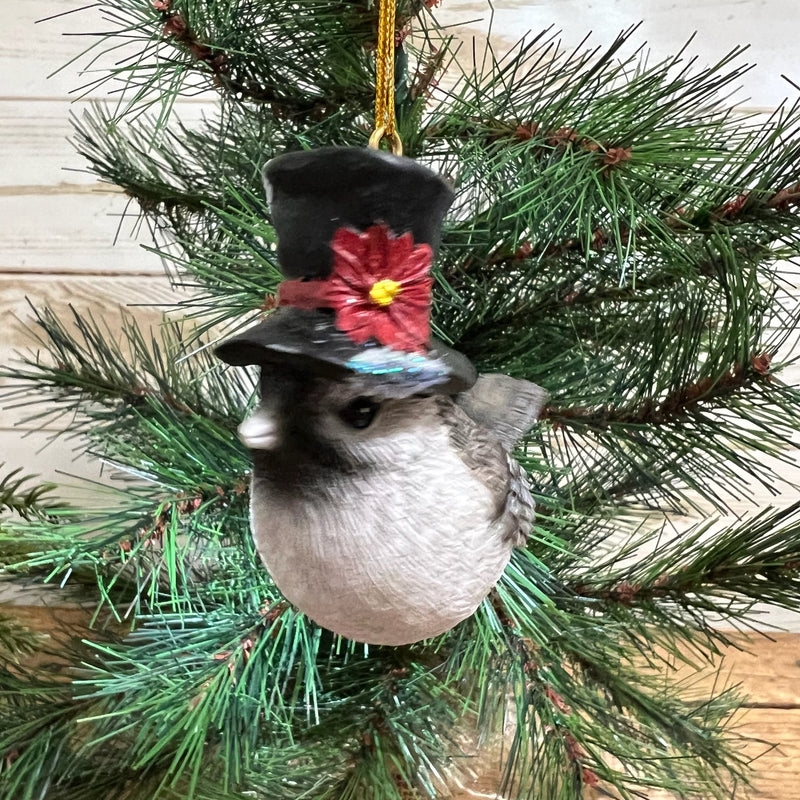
(395, 143)
(384, 80)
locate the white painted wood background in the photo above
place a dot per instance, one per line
(57, 225)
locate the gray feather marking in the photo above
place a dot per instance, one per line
(508, 407)
(520, 505)
(490, 463)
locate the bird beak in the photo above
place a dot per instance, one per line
(260, 431)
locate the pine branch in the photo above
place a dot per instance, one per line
(38, 718)
(558, 750)
(26, 501)
(754, 561)
(15, 639)
(88, 369)
(147, 553)
(320, 59)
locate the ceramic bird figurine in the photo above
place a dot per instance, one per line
(385, 501)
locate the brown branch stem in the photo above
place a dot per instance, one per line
(675, 406)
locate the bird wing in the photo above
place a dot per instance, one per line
(508, 407)
(490, 463)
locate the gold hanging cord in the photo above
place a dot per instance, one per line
(384, 81)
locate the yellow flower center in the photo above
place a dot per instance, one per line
(383, 293)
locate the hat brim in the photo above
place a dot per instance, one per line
(309, 340)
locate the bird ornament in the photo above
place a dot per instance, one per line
(385, 500)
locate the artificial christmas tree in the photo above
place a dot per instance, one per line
(618, 236)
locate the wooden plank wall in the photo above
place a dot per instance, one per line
(58, 226)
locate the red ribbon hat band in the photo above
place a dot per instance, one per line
(380, 288)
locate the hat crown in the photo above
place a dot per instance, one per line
(312, 194)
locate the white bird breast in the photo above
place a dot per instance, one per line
(385, 557)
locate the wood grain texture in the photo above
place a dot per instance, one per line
(36, 133)
(73, 233)
(766, 668)
(57, 458)
(57, 232)
(775, 752)
(31, 51)
(770, 732)
(42, 37)
(148, 300)
(776, 775)
(39, 132)
(770, 27)
(102, 296)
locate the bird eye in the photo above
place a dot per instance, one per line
(360, 412)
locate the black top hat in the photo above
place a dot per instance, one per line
(357, 231)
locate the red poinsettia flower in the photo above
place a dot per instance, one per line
(379, 287)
